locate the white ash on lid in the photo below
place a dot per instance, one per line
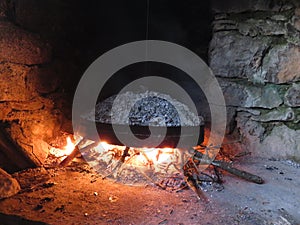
(149, 108)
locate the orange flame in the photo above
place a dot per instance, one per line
(69, 147)
(136, 156)
(64, 151)
(153, 155)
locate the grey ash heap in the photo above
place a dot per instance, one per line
(144, 109)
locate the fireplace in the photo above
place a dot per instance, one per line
(49, 168)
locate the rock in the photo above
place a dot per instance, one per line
(281, 65)
(5, 109)
(33, 104)
(233, 92)
(248, 28)
(297, 23)
(22, 47)
(297, 11)
(251, 111)
(13, 82)
(296, 19)
(262, 97)
(8, 185)
(234, 55)
(252, 131)
(275, 139)
(43, 80)
(279, 114)
(40, 149)
(292, 96)
(231, 124)
(293, 35)
(278, 17)
(32, 135)
(220, 16)
(224, 25)
(247, 95)
(45, 128)
(20, 83)
(234, 6)
(297, 116)
(254, 52)
(254, 27)
(33, 125)
(253, 55)
(282, 142)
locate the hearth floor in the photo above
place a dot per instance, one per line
(80, 196)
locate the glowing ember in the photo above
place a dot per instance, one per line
(131, 165)
(69, 147)
(137, 156)
(134, 165)
(64, 151)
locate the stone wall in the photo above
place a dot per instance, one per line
(32, 99)
(255, 53)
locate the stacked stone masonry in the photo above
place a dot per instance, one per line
(30, 79)
(255, 53)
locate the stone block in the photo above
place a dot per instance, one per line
(297, 23)
(281, 64)
(22, 47)
(235, 55)
(13, 82)
(282, 142)
(292, 96)
(293, 35)
(245, 94)
(5, 109)
(262, 97)
(297, 11)
(8, 185)
(252, 131)
(254, 27)
(224, 25)
(234, 93)
(296, 19)
(279, 17)
(279, 114)
(238, 6)
(272, 139)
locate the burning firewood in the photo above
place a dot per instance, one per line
(169, 168)
(76, 152)
(117, 168)
(229, 168)
(70, 157)
(191, 175)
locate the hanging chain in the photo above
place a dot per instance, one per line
(147, 35)
(148, 17)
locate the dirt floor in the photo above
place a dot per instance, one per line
(77, 195)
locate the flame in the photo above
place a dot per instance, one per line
(103, 146)
(137, 156)
(157, 159)
(69, 147)
(64, 151)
